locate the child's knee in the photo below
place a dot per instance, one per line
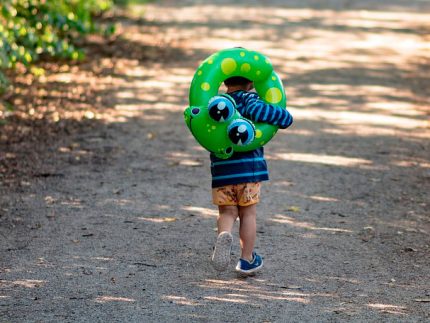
(228, 211)
(248, 211)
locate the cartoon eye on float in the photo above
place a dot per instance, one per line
(241, 132)
(221, 108)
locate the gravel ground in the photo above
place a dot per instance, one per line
(115, 223)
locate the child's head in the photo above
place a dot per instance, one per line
(239, 82)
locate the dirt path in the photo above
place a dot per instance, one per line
(116, 223)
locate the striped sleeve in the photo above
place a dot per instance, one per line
(259, 111)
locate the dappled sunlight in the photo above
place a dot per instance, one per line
(156, 219)
(321, 159)
(317, 200)
(408, 123)
(27, 283)
(283, 219)
(283, 183)
(214, 44)
(372, 131)
(190, 163)
(69, 201)
(229, 298)
(120, 87)
(384, 19)
(241, 292)
(372, 97)
(411, 162)
(180, 300)
(407, 224)
(378, 108)
(324, 279)
(114, 91)
(184, 159)
(318, 45)
(121, 202)
(345, 117)
(323, 198)
(300, 132)
(108, 299)
(255, 291)
(398, 108)
(388, 308)
(103, 258)
(136, 89)
(202, 211)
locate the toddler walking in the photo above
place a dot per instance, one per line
(236, 181)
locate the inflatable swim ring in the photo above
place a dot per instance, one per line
(213, 119)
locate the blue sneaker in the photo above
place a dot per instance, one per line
(248, 268)
(222, 251)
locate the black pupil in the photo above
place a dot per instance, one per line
(235, 135)
(217, 113)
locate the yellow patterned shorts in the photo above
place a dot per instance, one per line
(237, 194)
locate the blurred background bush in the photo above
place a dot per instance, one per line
(35, 29)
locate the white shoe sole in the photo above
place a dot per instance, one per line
(222, 251)
(249, 272)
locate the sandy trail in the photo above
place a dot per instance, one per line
(124, 230)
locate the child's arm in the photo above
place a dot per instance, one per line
(259, 111)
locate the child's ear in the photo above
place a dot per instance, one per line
(250, 86)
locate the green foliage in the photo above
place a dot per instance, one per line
(31, 29)
(4, 83)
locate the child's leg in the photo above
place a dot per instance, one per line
(250, 262)
(227, 216)
(247, 230)
(222, 250)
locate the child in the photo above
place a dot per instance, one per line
(236, 181)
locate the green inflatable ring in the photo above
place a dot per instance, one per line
(213, 134)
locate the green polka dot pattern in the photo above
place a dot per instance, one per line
(211, 134)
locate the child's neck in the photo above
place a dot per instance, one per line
(235, 88)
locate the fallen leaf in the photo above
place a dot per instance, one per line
(294, 209)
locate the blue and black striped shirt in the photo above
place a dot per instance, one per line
(250, 166)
